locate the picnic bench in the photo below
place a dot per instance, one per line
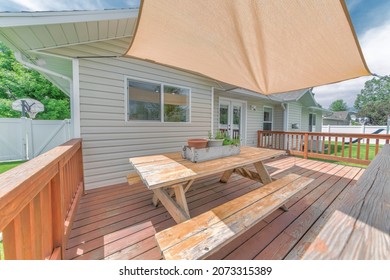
(359, 227)
(205, 234)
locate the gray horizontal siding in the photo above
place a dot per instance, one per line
(108, 140)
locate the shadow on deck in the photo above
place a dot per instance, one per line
(119, 222)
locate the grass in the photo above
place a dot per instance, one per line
(1, 251)
(354, 148)
(363, 149)
(5, 166)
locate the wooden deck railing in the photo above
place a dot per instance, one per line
(354, 148)
(38, 201)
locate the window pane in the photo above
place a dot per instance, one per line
(267, 126)
(267, 114)
(223, 115)
(176, 104)
(144, 101)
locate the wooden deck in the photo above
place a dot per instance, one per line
(119, 222)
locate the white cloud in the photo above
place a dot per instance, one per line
(375, 44)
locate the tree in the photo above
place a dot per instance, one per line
(374, 100)
(18, 82)
(338, 105)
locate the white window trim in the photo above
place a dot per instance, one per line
(162, 84)
(272, 121)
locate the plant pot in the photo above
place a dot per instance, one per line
(215, 142)
(197, 143)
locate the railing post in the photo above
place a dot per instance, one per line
(57, 192)
(306, 146)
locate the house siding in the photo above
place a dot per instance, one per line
(294, 116)
(108, 140)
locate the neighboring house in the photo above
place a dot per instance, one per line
(339, 118)
(123, 107)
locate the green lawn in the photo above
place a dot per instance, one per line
(4, 166)
(1, 251)
(371, 151)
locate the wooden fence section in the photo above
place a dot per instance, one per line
(38, 201)
(354, 148)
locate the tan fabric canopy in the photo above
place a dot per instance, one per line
(267, 46)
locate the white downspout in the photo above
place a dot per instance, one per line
(75, 98)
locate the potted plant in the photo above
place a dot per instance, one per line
(217, 141)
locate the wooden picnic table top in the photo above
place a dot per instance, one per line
(164, 170)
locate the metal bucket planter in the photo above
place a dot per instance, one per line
(215, 143)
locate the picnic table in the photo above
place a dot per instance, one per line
(169, 175)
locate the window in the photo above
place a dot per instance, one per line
(267, 122)
(151, 101)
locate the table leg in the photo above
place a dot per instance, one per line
(174, 208)
(181, 198)
(226, 175)
(186, 186)
(263, 173)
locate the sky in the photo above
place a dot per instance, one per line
(371, 20)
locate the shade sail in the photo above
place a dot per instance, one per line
(267, 46)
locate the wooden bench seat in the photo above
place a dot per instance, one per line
(358, 225)
(205, 234)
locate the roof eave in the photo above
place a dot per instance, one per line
(8, 19)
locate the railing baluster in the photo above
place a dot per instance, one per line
(350, 148)
(376, 146)
(358, 149)
(335, 146)
(311, 143)
(342, 146)
(329, 145)
(367, 147)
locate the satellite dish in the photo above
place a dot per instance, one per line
(27, 105)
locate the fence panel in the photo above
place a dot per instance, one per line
(12, 139)
(22, 139)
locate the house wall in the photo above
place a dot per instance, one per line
(294, 116)
(254, 118)
(300, 115)
(108, 140)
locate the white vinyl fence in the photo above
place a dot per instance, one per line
(23, 139)
(360, 129)
(354, 129)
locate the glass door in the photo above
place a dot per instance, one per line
(312, 122)
(230, 118)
